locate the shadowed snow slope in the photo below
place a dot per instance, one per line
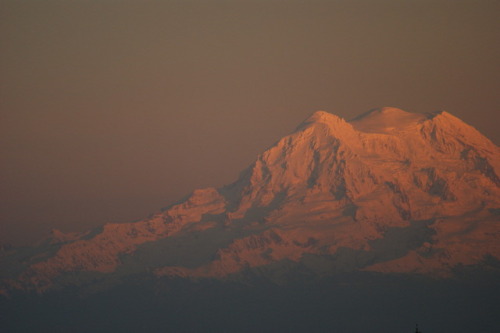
(389, 191)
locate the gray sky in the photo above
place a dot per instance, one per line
(111, 110)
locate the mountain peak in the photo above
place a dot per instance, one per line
(322, 117)
(389, 110)
(334, 123)
(386, 111)
(387, 120)
(447, 117)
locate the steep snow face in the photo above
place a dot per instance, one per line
(401, 166)
(364, 185)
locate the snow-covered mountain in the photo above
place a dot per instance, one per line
(389, 191)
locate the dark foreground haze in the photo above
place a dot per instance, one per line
(360, 302)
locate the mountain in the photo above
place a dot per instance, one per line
(389, 192)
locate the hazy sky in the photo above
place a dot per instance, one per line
(111, 110)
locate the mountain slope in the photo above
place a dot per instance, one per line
(389, 191)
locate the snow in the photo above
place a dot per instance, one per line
(388, 120)
(331, 184)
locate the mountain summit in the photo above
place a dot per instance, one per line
(389, 191)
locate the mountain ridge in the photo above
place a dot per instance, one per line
(328, 186)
